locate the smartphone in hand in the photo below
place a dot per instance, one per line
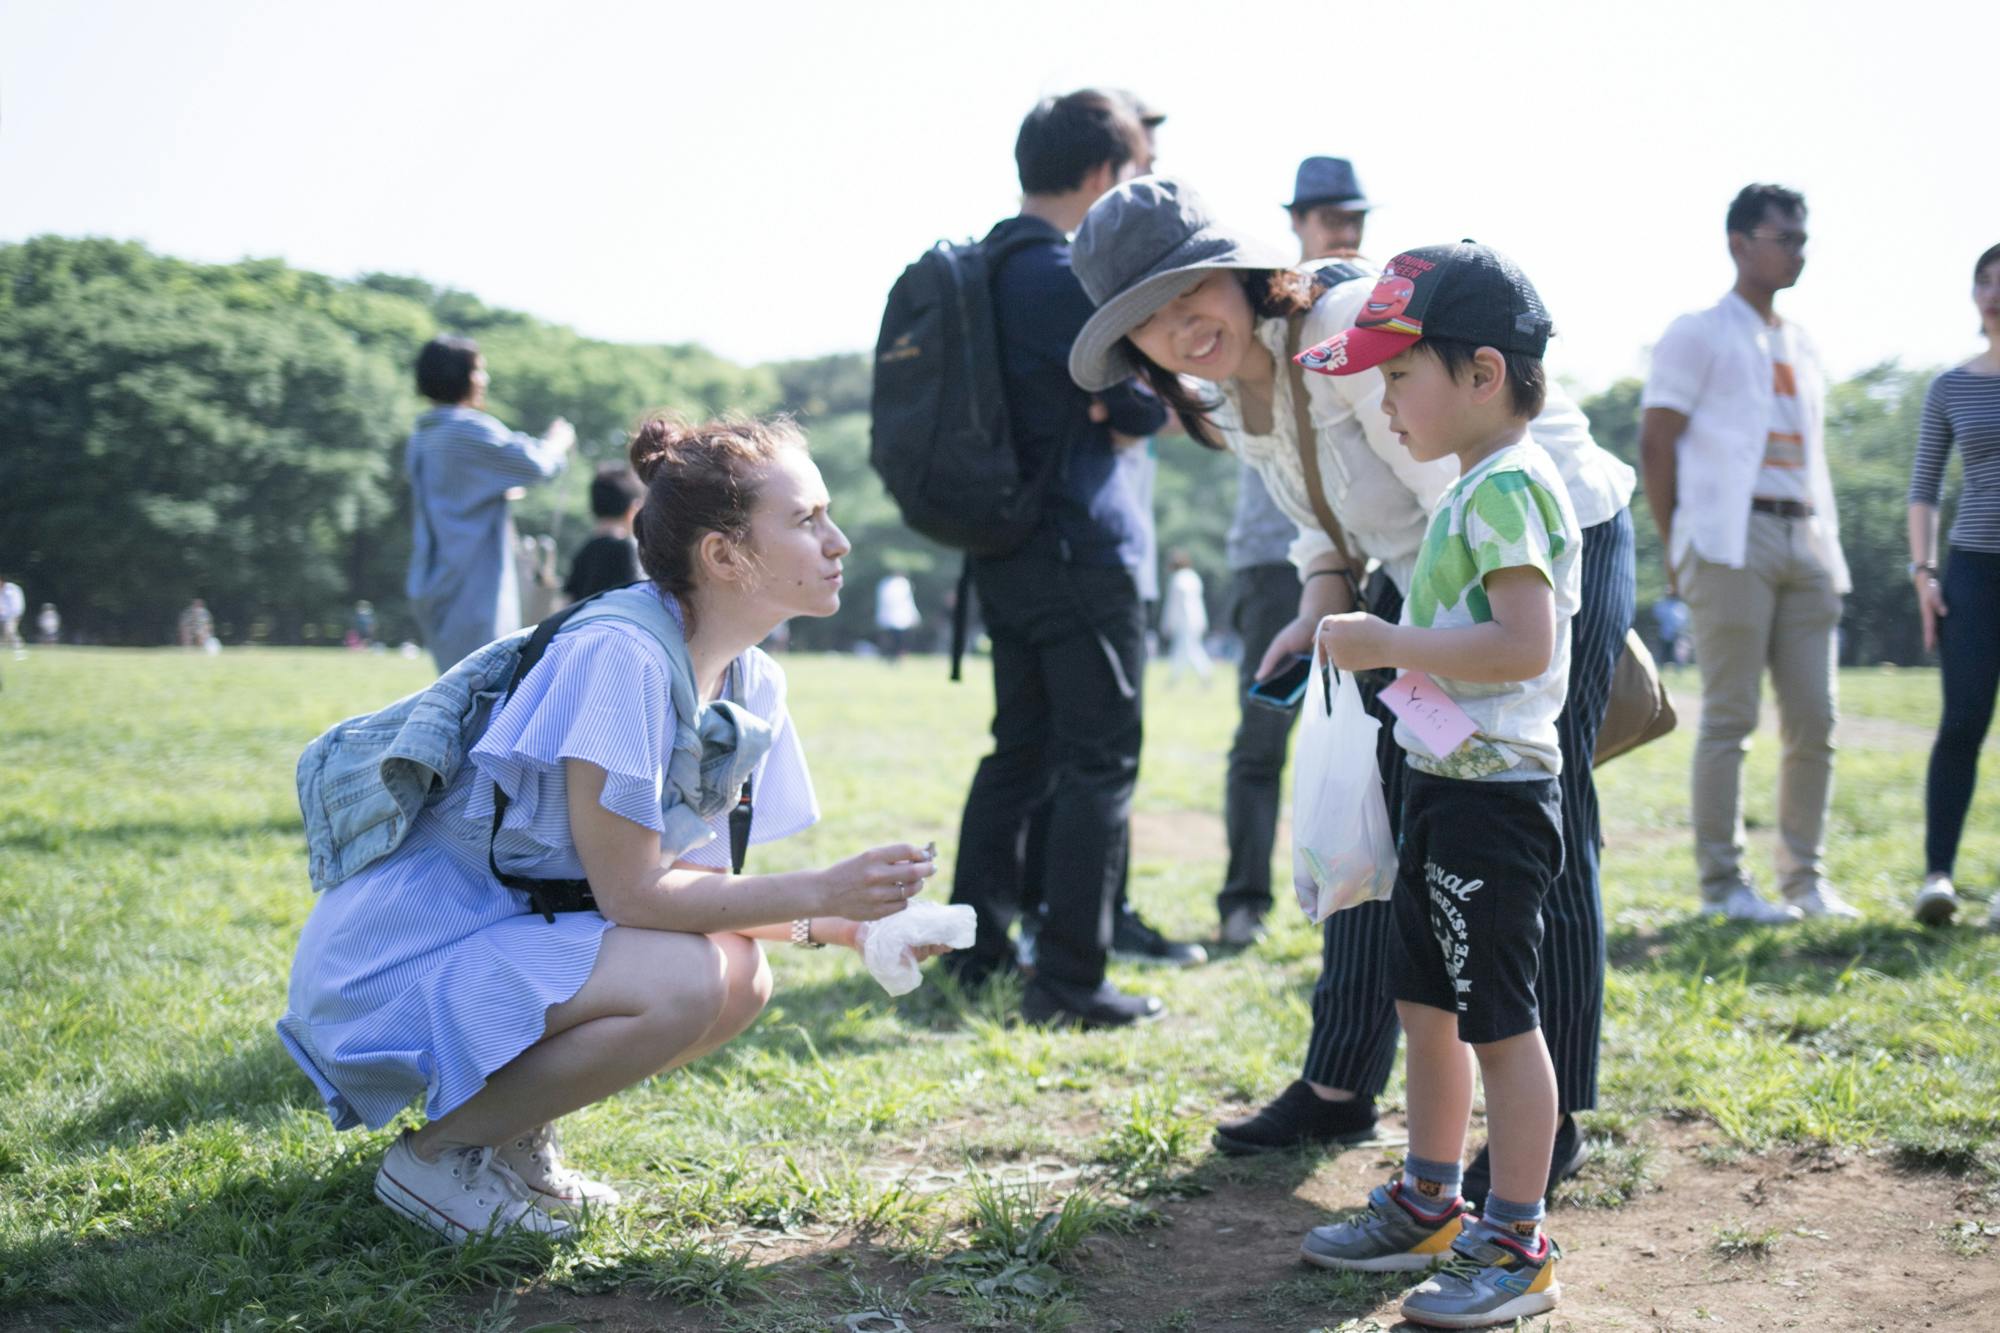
(1283, 688)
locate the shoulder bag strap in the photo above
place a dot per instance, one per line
(1307, 442)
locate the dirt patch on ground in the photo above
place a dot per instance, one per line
(1834, 1242)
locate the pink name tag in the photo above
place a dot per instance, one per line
(1428, 711)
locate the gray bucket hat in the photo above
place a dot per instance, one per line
(1134, 253)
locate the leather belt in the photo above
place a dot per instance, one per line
(1781, 508)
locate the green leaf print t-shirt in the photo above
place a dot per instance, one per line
(1509, 512)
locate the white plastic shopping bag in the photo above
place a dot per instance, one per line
(1342, 852)
(889, 946)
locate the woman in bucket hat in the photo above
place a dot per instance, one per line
(1212, 319)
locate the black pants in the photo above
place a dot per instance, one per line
(1265, 600)
(1354, 1032)
(1065, 733)
(1969, 652)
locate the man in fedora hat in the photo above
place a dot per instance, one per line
(1062, 612)
(1328, 208)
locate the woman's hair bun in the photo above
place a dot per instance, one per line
(659, 439)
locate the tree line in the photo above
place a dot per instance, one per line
(235, 431)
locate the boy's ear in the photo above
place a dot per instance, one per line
(1488, 374)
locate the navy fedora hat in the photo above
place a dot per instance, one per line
(1328, 180)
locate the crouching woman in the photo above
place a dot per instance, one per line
(510, 960)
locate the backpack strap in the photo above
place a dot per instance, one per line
(1307, 442)
(549, 896)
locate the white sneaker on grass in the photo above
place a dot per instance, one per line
(465, 1193)
(1937, 901)
(1820, 901)
(1743, 904)
(536, 1157)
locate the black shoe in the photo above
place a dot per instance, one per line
(1572, 1150)
(1132, 939)
(1299, 1118)
(1049, 1003)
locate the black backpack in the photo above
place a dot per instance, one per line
(938, 435)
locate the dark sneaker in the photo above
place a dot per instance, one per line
(1135, 941)
(1298, 1118)
(1049, 1003)
(1489, 1280)
(1242, 928)
(1389, 1236)
(1572, 1150)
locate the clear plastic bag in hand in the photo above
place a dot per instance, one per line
(1342, 851)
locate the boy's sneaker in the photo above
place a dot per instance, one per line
(536, 1158)
(1743, 904)
(1937, 901)
(1135, 941)
(1390, 1237)
(1489, 1280)
(1298, 1118)
(1821, 901)
(466, 1192)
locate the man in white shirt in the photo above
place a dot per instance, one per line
(1733, 449)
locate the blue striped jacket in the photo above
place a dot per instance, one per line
(363, 782)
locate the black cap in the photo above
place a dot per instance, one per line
(1466, 292)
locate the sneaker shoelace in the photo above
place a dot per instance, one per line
(478, 1169)
(543, 1149)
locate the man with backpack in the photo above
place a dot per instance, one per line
(1062, 607)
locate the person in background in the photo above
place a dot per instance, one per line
(1329, 211)
(49, 624)
(1732, 443)
(1670, 619)
(1960, 611)
(610, 559)
(1062, 613)
(1329, 214)
(896, 613)
(462, 463)
(1184, 620)
(196, 625)
(13, 605)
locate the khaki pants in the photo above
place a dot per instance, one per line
(1779, 611)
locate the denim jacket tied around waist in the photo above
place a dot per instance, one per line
(363, 782)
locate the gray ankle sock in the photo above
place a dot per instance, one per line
(1518, 1222)
(1431, 1186)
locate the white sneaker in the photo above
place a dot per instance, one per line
(536, 1158)
(463, 1194)
(1937, 901)
(1821, 901)
(1743, 904)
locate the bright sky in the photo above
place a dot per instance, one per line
(753, 176)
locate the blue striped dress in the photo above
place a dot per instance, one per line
(423, 974)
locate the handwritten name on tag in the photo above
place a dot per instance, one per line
(1438, 722)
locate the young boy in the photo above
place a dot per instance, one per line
(610, 559)
(1459, 333)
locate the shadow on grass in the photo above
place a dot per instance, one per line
(1814, 957)
(56, 840)
(302, 1241)
(256, 1078)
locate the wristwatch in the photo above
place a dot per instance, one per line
(1925, 565)
(802, 934)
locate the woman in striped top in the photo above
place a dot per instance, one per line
(1961, 612)
(423, 975)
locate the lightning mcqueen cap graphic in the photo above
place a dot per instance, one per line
(1466, 292)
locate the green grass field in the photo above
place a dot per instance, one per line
(163, 1166)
